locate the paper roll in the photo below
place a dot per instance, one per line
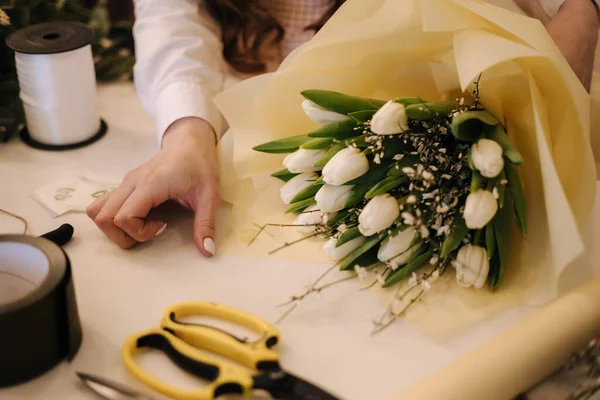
(519, 358)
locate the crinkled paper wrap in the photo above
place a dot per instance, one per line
(433, 49)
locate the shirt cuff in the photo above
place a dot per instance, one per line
(186, 99)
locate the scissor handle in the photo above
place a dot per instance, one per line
(225, 378)
(256, 355)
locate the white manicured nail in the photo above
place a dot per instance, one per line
(209, 246)
(161, 230)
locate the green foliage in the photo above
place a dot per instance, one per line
(112, 47)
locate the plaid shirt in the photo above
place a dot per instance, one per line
(294, 16)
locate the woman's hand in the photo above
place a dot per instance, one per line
(185, 170)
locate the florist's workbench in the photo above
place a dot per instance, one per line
(326, 340)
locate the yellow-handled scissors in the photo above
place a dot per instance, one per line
(186, 344)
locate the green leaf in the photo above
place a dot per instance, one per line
(395, 146)
(347, 236)
(470, 161)
(338, 218)
(358, 195)
(385, 186)
(301, 205)
(349, 261)
(362, 116)
(317, 144)
(476, 180)
(407, 101)
(341, 103)
(306, 193)
(490, 239)
(406, 161)
(515, 188)
(435, 109)
(281, 146)
(100, 21)
(501, 188)
(455, 237)
(497, 134)
(375, 173)
(367, 260)
(502, 231)
(360, 142)
(333, 150)
(337, 130)
(284, 175)
(408, 269)
(469, 125)
(494, 274)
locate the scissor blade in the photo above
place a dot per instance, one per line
(110, 390)
(291, 387)
(304, 390)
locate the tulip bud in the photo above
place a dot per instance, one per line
(303, 160)
(389, 119)
(472, 266)
(311, 218)
(379, 213)
(333, 198)
(320, 115)
(295, 185)
(399, 247)
(338, 253)
(480, 208)
(345, 165)
(487, 157)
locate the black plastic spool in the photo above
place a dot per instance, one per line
(52, 38)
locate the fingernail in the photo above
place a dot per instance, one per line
(161, 230)
(209, 246)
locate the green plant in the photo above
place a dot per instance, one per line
(112, 47)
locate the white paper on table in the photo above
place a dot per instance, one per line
(72, 193)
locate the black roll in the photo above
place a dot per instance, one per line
(41, 328)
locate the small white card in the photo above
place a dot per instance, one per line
(72, 193)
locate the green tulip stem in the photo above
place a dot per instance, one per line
(477, 237)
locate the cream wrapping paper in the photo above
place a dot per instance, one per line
(433, 49)
(519, 358)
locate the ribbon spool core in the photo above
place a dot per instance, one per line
(23, 268)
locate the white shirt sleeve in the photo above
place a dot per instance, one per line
(179, 63)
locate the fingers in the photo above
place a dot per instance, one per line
(131, 216)
(93, 209)
(105, 212)
(205, 209)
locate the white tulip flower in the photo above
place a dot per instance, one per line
(295, 185)
(333, 198)
(345, 165)
(390, 119)
(399, 247)
(310, 218)
(379, 213)
(303, 160)
(472, 266)
(320, 115)
(487, 157)
(480, 208)
(338, 253)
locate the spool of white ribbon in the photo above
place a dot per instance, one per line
(57, 82)
(58, 92)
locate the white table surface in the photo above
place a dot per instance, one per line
(121, 292)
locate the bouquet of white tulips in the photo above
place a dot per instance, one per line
(406, 184)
